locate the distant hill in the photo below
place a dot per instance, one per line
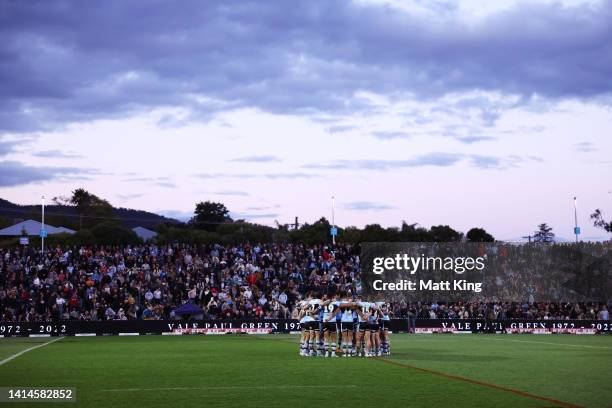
(66, 216)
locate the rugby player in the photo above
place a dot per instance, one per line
(305, 318)
(347, 325)
(315, 308)
(374, 330)
(330, 327)
(362, 333)
(385, 322)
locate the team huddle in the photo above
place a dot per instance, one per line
(338, 326)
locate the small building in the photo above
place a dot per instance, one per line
(144, 233)
(32, 228)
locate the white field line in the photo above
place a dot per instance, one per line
(549, 343)
(14, 356)
(229, 387)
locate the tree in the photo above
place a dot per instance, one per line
(599, 222)
(112, 233)
(209, 214)
(89, 206)
(479, 235)
(414, 233)
(62, 200)
(81, 199)
(444, 233)
(316, 233)
(544, 234)
(376, 233)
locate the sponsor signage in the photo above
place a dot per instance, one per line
(178, 327)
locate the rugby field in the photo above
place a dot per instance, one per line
(266, 371)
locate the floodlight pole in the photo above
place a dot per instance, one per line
(333, 219)
(576, 230)
(42, 228)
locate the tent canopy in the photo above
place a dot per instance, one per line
(188, 308)
(32, 227)
(144, 233)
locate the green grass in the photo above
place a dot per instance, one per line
(266, 371)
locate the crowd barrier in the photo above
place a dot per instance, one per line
(177, 327)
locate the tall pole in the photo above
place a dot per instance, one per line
(576, 229)
(42, 229)
(333, 219)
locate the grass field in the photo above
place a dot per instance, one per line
(266, 371)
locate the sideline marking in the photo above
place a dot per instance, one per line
(476, 382)
(228, 387)
(14, 356)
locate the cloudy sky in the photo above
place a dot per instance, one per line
(491, 114)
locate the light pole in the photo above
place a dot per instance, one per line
(42, 228)
(576, 228)
(333, 220)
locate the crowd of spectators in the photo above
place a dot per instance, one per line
(236, 281)
(149, 281)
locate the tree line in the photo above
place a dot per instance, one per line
(97, 223)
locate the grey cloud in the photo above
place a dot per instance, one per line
(483, 109)
(271, 176)
(125, 197)
(141, 179)
(165, 184)
(387, 135)
(15, 173)
(494, 162)
(257, 159)
(56, 154)
(162, 181)
(7, 146)
(10, 145)
(340, 128)
(72, 61)
(232, 193)
(486, 162)
(474, 139)
(432, 159)
(366, 205)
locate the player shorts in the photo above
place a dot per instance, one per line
(374, 326)
(304, 323)
(311, 325)
(347, 326)
(330, 326)
(364, 326)
(384, 324)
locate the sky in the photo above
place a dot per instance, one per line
(471, 114)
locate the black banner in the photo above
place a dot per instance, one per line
(143, 327)
(484, 272)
